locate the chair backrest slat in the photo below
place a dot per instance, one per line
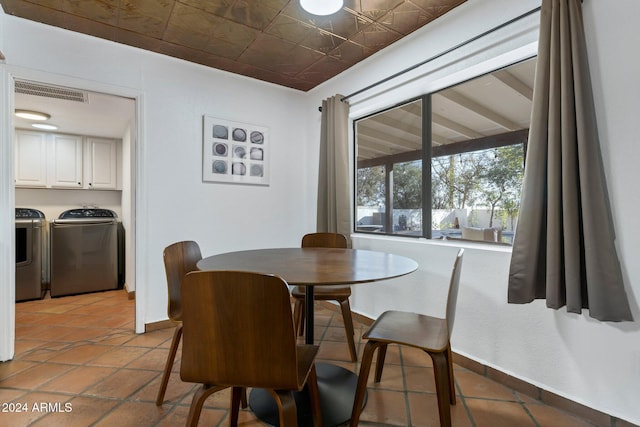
(454, 285)
(238, 330)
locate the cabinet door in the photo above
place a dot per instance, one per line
(66, 161)
(102, 164)
(30, 159)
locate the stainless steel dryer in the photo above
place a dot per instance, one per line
(84, 252)
(30, 254)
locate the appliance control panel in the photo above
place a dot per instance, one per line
(87, 213)
(28, 213)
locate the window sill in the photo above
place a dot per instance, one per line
(460, 243)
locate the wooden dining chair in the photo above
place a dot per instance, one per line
(427, 333)
(336, 293)
(238, 332)
(179, 258)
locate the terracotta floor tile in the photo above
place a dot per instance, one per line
(80, 354)
(133, 414)
(115, 337)
(332, 350)
(154, 359)
(492, 413)
(474, 385)
(78, 379)
(177, 391)
(66, 319)
(118, 321)
(118, 356)
(121, 384)
(8, 395)
(334, 333)
(86, 334)
(57, 309)
(208, 417)
(24, 346)
(424, 411)
(415, 357)
(387, 407)
(48, 332)
(32, 317)
(392, 357)
(44, 352)
(35, 376)
(420, 379)
(392, 377)
(546, 416)
(152, 339)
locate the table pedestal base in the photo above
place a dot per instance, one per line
(337, 390)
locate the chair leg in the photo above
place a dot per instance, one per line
(236, 393)
(348, 328)
(452, 384)
(314, 397)
(363, 377)
(198, 400)
(177, 334)
(243, 398)
(286, 407)
(382, 352)
(441, 373)
(298, 316)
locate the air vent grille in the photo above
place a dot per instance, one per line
(57, 92)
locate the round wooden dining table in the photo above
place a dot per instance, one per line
(310, 267)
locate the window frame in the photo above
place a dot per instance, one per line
(487, 142)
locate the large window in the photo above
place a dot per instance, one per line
(448, 164)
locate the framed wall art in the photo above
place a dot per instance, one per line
(234, 152)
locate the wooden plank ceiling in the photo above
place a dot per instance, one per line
(270, 40)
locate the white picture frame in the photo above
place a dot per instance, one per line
(234, 152)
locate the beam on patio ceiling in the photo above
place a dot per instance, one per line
(484, 143)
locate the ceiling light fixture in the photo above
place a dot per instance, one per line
(44, 126)
(321, 7)
(32, 115)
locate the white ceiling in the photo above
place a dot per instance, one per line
(103, 115)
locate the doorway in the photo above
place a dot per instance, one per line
(101, 112)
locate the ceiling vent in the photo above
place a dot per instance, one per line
(57, 92)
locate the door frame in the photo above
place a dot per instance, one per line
(8, 75)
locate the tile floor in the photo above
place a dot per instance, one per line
(79, 363)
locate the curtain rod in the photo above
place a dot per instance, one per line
(426, 61)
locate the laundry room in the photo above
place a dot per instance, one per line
(72, 190)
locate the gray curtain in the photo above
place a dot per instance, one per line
(564, 246)
(334, 209)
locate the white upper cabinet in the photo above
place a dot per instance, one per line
(66, 161)
(102, 164)
(31, 159)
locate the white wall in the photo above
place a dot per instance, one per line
(593, 363)
(52, 202)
